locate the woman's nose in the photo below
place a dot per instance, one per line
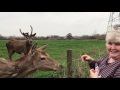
(113, 46)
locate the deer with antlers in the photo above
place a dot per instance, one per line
(18, 46)
(35, 59)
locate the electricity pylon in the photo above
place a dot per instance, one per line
(114, 21)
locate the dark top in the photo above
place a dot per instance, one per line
(107, 70)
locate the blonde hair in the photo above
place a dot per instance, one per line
(113, 36)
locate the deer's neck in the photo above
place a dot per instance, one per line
(25, 66)
(27, 47)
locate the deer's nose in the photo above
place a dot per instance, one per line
(30, 41)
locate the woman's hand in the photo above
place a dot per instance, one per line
(93, 73)
(86, 58)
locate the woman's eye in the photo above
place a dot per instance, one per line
(117, 44)
(110, 43)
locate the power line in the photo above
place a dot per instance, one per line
(114, 21)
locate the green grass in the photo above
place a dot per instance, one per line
(57, 49)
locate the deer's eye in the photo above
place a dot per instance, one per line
(42, 58)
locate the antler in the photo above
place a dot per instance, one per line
(24, 34)
(31, 30)
(27, 34)
(32, 35)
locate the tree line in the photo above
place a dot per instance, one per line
(69, 36)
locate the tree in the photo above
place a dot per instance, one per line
(69, 36)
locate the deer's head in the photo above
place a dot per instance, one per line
(28, 37)
(42, 60)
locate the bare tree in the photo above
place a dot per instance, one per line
(19, 46)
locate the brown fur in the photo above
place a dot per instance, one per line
(35, 59)
(19, 46)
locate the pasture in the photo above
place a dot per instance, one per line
(57, 49)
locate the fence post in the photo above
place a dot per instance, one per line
(69, 63)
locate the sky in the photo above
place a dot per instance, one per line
(53, 23)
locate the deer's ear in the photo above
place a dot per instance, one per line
(44, 47)
(34, 45)
(33, 48)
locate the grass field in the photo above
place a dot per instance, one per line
(57, 49)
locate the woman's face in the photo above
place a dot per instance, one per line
(113, 49)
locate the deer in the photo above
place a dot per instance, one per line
(20, 46)
(35, 59)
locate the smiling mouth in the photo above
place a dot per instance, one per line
(113, 51)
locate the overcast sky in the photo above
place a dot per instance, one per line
(53, 23)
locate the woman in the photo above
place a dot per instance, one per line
(109, 65)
